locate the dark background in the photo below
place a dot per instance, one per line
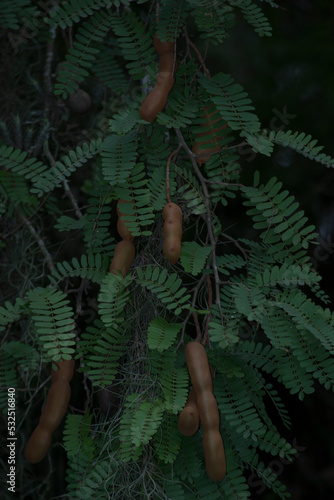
(293, 71)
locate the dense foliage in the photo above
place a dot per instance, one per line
(76, 147)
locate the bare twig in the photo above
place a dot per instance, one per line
(237, 244)
(193, 303)
(199, 55)
(68, 191)
(198, 328)
(40, 242)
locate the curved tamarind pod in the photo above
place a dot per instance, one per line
(162, 47)
(188, 421)
(156, 100)
(214, 453)
(172, 215)
(123, 257)
(198, 367)
(199, 370)
(56, 405)
(38, 445)
(122, 229)
(53, 412)
(65, 370)
(199, 143)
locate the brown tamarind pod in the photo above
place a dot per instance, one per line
(56, 405)
(156, 100)
(172, 215)
(65, 370)
(208, 137)
(124, 255)
(53, 412)
(38, 445)
(162, 47)
(201, 378)
(188, 421)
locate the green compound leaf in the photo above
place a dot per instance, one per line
(193, 257)
(161, 334)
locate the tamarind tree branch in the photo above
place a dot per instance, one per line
(208, 215)
(196, 290)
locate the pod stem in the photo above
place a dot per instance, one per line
(198, 328)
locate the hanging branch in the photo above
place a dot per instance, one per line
(208, 215)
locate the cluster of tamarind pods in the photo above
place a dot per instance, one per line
(201, 406)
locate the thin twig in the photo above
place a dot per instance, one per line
(68, 191)
(199, 55)
(198, 328)
(200, 58)
(193, 303)
(221, 150)
(40, 242)
(242, 250)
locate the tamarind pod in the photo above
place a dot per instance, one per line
(214, 453)
(56, 405)
(172, 215)
(123, 257)
(200, 374)
(153, 103)
(208, 410)
(162, 47)
(188, 421)
(65, 370)
(198, 143)
(53, 412)
(38, 445)
(122, 229)
(198, 367)
(201, 160)
(167, 70)
(156, 100)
